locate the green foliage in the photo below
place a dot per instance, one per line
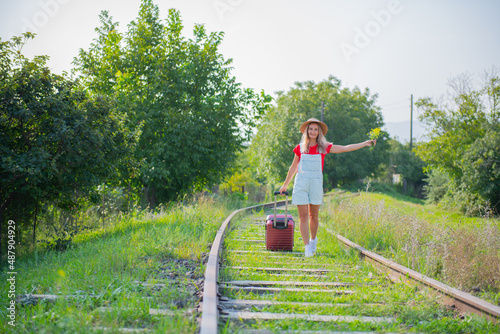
(462, 143)
(406, 163)
(437, 185)
(56, 141)
(349, 114)
(177, 94)
(241, 174)
(481, 168)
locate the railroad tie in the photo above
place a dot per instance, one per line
(306, 270)
(258, 303)
(285, 283)
(239, 315)
(256, 289)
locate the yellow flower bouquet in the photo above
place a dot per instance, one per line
(374, 133)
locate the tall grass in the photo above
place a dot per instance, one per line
(104, 265)
(466, 256)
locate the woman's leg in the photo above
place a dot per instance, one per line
(304, 222)
(313, 219)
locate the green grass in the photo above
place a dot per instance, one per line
(104, 267)
(430, 212)
(414, 310)
(382, 188)
(463, 252)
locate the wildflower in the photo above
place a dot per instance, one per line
(61, 273)
(373, 134)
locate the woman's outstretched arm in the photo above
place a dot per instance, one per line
(351, 147)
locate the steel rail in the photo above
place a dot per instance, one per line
(463, 301)
(210, 307)
(450, 296)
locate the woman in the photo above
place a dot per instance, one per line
(308, 187)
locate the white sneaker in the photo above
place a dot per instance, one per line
(308, 252)
(314, 244)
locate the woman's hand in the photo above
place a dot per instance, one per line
(283, 189)
(371, 142)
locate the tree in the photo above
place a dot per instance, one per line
(178, 93)
(349, 114)
(56, 142)
(462, 136)
(241, 179)
(409, 165)
(481, 171)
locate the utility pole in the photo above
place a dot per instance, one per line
(411, 123)
(322, 110)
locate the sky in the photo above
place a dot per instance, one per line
(395, 48)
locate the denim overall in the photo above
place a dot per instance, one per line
(308, 186)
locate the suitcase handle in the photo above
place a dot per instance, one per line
(278, 193)
(281, 226)
(275, 223)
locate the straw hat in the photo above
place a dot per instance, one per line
(324, 128)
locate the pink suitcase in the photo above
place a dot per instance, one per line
(279, 231)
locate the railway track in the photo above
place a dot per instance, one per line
(250, 290)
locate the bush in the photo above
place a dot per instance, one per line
(464, 143)
(481, 170)
(477, 192)
(437, 186)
